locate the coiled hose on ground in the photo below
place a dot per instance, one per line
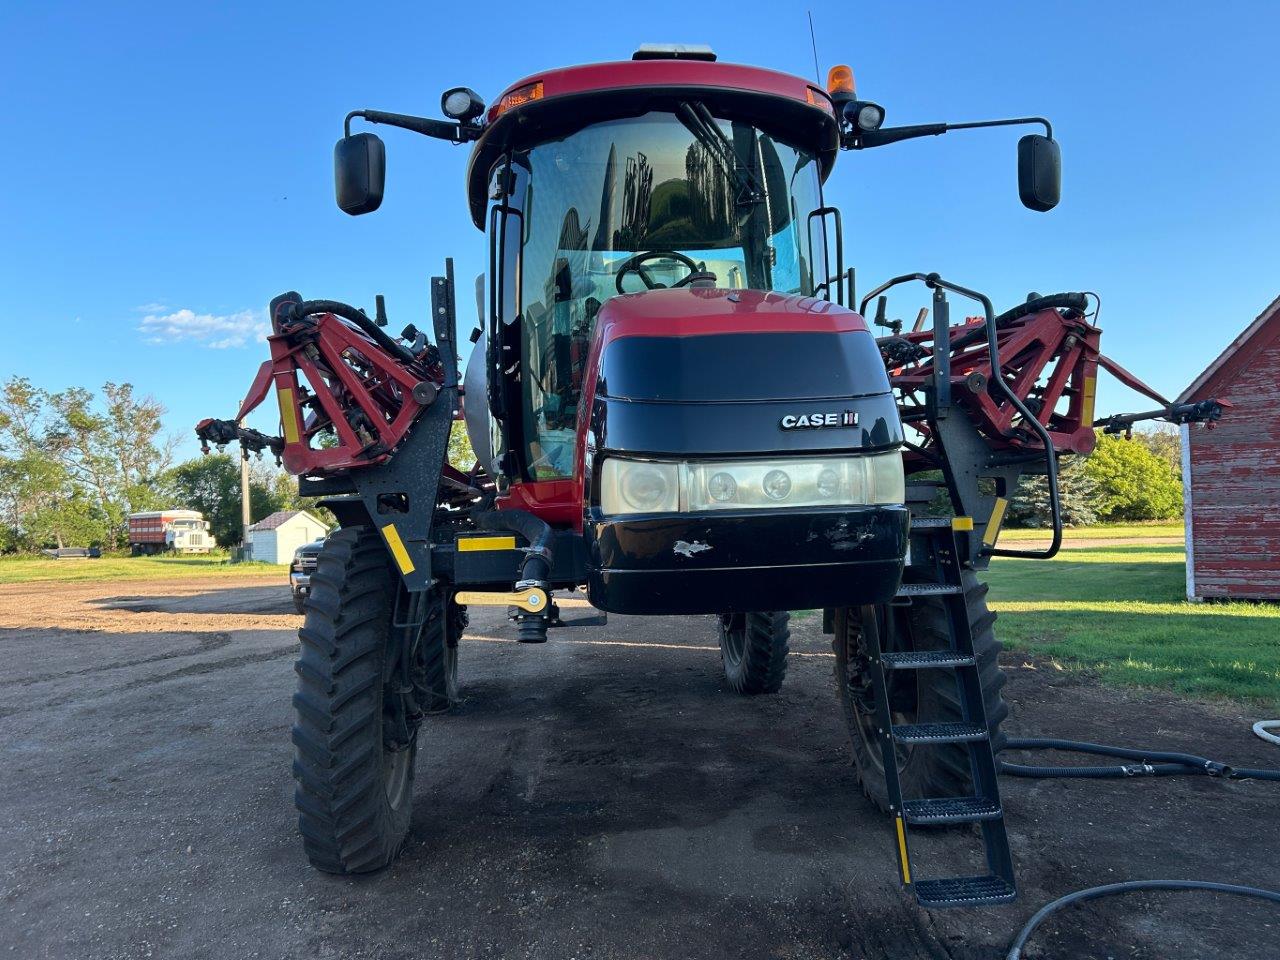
(1151, 763)
(1093, 893)
(1261, 728)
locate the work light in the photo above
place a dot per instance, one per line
(864, 114)
(461, 104)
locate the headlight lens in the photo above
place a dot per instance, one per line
(630, 487)
(776, 485)
(721, 487)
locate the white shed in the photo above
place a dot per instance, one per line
(274, 538)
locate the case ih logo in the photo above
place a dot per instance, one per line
(814, 420)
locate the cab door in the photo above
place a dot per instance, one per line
(507, 187)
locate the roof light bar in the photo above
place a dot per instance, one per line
(675, 51)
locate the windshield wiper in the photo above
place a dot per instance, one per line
(698, 120)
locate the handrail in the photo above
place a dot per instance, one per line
(933, 281)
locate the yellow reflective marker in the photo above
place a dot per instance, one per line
(992, 531)
(534, 600)
(476, 544)
(288, 415)
(398, 551)
(1088, 394)
(962, 523)
(902, 850)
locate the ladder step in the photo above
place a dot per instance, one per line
(950, 810)
(926, 659)
(930, 523)
(939, 733)
(964, 891)
(927, 589)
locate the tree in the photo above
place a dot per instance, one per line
(1029, 506)
(39, 502)
(113, 451)
(211, 484)
(71, 520)
(74, 466)
(460, 455)
(284, 491)
(1165, 443)
(1132, 482)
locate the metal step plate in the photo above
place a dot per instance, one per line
(925, 660)
(939, 733)
(950, 810)
(927, 589)
(963, 892)
(930, 523)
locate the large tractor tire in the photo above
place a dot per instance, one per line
(925, 696)
(753, 647)
(353, 765)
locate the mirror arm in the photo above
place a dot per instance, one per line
(440, 129)
(861, 140)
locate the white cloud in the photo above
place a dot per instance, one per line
(215, 331)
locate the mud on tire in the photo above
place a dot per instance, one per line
(918, 695)
(753, 647)
(354, 793)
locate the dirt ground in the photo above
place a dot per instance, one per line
(601, 796)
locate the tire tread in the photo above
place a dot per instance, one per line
(344, 817)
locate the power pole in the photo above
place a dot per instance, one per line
(245, 518)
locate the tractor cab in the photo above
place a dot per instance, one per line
(607, 180)
(664, 200)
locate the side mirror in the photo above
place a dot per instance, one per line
(1039, 172)
(359, 173)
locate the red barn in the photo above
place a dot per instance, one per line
(1231, 473)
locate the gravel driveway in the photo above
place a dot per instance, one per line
(601, 796)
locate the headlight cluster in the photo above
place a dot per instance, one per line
(651, 486)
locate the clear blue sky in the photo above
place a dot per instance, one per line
(175, 163)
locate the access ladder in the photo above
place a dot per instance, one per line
(982, 806)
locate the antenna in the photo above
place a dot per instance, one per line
(813, 39)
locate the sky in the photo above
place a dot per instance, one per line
(168, 168)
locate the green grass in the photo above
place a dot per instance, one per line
(27, 569)
(1101, 531)
(1121, 612)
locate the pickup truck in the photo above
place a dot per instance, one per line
(300, 570)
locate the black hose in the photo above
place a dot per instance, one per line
(1151, 763)
(1062, 301)
(537, 557)
(1058, 301)
(367, 326)
(1093, 893)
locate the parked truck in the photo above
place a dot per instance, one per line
(179, 531)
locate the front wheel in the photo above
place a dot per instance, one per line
(916, 696)
(753, 647)
(357, 713)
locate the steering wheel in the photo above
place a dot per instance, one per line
(636, 265)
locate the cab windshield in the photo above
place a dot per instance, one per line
(638, 203)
